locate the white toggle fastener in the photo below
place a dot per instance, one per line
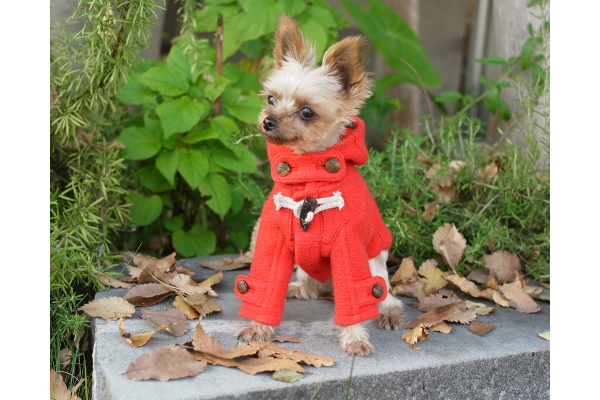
(322, 204)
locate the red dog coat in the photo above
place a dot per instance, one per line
(339, 240)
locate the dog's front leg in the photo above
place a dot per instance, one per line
(255, 331)
(355, 339)
(391, 314)
(306, 287)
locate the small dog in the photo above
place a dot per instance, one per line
(337, 241)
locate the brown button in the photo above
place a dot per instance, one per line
(283, 168)
(332, 165)
(242, 286)
(377, 291)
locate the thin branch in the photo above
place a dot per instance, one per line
(422, 86)
(481, 211)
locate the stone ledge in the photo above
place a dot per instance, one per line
(510, 362)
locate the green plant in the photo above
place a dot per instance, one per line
(86, 199)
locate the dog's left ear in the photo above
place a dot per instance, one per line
(344, 59)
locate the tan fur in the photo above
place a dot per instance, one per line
(290, 43)
(255, 331)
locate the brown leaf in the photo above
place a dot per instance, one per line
(185, 308)
(134, 271)
(445, 194)
(481, 328)
(162, 265)
(177, 319)
(434, 301)
(489, 172)
(479, 275)
(456, 165)
(545, 297)
(202, 304)
(424, 160)
(500, 299)
(183, 270)
(59, 390)
(415, 290)
(434, 316)
(533, 291)
(108, 308)
(438, 176)
(518, 298)
(469, 287)
(151, 275)
(163, 364)
(431, 210)
(504, 265)
(545, 335)
(213, 280)
(432, 275)
(288, 338)
(108, 281)
(128, 279)
(64, 357)
(450, 243)
(480, 308)
(147, 294)
(418, 333)
(141, 338)
(441, 327)
(406, 272)
(252, 366)
(491, 284)
(272, 350)
(464, 317)
(227, 263)
(546, 285)
(203, 342)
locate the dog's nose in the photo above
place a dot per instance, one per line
(269, 124)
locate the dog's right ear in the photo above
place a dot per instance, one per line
(289, 43)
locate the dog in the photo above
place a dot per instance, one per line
(320, 216)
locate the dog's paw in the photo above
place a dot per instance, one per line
(361, 348)
(255, 331)
(392, 319)
(301, 291)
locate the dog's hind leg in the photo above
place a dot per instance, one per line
(355, 339)
(391, 314)
(255, 331)
(306, 287)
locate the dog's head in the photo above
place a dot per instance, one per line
(308, 107)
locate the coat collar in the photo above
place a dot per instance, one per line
(305, 167)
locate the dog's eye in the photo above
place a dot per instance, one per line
(307, 113)
(271, 100)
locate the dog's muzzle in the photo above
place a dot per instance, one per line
(306, 209)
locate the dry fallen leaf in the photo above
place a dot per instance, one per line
(445, 194)
(463, 317)
(450, 243)
(163, 364)
(413, 336)
(432, 275)
(479, 275)
(64, 357)
(545, 297)
(481, 328)
(438, 177)
(545, 335)
(134, 271)
(533, 291)
(227, 263)
(213, 280)
(546, 285)
(434, 301)
(431, 210)
(456, 165)
(287, 375)
(252, 366)
(272, 350)
(406, 272)
(469, 287)
(185, 308)
(288, 338)
(183, 270)
(108, 281)
(441, 327)
(424, 160)
(480, 308)
(415, 290)
(518, 298)
(152, 275)
(108, 308)
(141, 338)
(162, 265)
(203, 342)
(182, 280)
(491, 284)
(177, 319)
(500, 299)
(59, 390)
(489, 172)
(202, 304)
(434, 316)
(504, 265)
(147, 294)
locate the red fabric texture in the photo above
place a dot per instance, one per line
(337, 244)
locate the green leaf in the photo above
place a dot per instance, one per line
(166, 81)
(504, 110)
(533, 2)
(180, 115)
(394, 39)
(241, 161)
(450, 95)
(492, 99)
(316, 35)
(144, 209)
(503, 84)
(140, 142)
(491, 60)
(287, 375)
(134, 92)
(193, 166)
(216, 87)
(205, 133)
(224, 125)
(178, 60)
(217, 187)
(486, 81)
(291, 7)
(237, 201)
(526, 54)
(246, 110)
(167, 162)
(206, 19)
(322, 16)
(173, 224)
(151, 178)
(198, 241)
(530, 29)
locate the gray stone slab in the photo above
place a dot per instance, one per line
(510, 362)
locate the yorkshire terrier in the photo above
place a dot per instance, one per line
(320, 215)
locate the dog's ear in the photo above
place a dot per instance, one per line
(290, 43)
(344, 59)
